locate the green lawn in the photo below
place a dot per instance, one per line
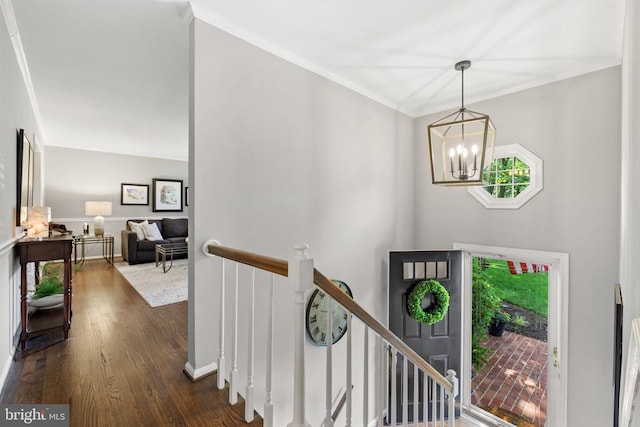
(527, 290)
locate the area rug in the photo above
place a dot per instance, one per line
(157, 288)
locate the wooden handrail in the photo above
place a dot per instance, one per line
(347, 302)
(262, 262)
(281, 267)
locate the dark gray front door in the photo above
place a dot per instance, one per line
(440, 343)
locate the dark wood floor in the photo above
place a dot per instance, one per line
(122, 363)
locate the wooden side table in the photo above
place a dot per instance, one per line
(40, 322)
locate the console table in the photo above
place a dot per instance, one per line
(39, 322)
(107, 246)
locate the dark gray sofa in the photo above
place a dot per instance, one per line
(134, 251)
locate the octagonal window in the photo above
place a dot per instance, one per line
(514, 177)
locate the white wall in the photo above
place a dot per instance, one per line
(574, 126)
(76, 176)
(280, 155)
(630, 226)
(15, 113)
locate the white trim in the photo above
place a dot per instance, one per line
(9, 243)
(558, 307)
(7, 367)
(116, 218)
(14, 34)
(535, 184)
(197, 373)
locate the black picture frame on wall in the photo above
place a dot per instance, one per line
(134, 194)
(167, 195)
(25, 171)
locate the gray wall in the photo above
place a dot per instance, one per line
(630, 226)
(15, 113)
(76, 176)
(280, 155)
(574, 126)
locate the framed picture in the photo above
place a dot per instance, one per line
(25, 172)
(167, 195)
(186, 196)
(134, 194)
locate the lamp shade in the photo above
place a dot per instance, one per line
(97, 208)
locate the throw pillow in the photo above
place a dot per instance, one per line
(137, 228)
(151, 231)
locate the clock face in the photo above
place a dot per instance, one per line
(317, 315)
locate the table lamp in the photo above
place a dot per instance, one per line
(98, 209)
(38, 219)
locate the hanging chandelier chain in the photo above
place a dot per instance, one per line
(462, 104)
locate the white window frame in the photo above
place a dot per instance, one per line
(535, 179)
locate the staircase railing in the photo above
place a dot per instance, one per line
(436, 396)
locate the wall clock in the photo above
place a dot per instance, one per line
(317, 308)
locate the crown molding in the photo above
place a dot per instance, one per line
(14, 34)
(187, 14)
(260, 42)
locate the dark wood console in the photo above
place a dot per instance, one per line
(38, 322)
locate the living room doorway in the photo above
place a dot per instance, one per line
(557, 305)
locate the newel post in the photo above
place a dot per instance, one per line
(301, 277)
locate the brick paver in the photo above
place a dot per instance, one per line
(514, 379)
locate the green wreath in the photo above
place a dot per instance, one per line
(437, 311)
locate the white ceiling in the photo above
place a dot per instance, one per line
(112, 75)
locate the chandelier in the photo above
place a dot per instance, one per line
(461, 144)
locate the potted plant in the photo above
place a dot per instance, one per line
(500, 319)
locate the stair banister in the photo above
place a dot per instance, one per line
(301, 273)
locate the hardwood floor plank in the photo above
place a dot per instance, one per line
(122, 363)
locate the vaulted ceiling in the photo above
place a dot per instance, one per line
(112, 75)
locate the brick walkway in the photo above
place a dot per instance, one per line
(514, 381)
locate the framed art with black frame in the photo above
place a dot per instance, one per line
(134, 194)
(25, 172)
(167, 195)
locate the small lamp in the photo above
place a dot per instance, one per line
(38, 219)
(98, 209)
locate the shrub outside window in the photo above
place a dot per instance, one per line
(514, 177)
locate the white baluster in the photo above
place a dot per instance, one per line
(233, 386)
(328, 421)
(221, 361)
(393, 397)
(349, 379)
(365, 379)
(441, 406)
(405, 391)
(301, 277)
(381, 377)
(416, 393)
(425, 398)
(451, 376)
(434, 399)
(249, 400)
(268, 405)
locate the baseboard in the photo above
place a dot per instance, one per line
(5, 369)
(200, 373)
